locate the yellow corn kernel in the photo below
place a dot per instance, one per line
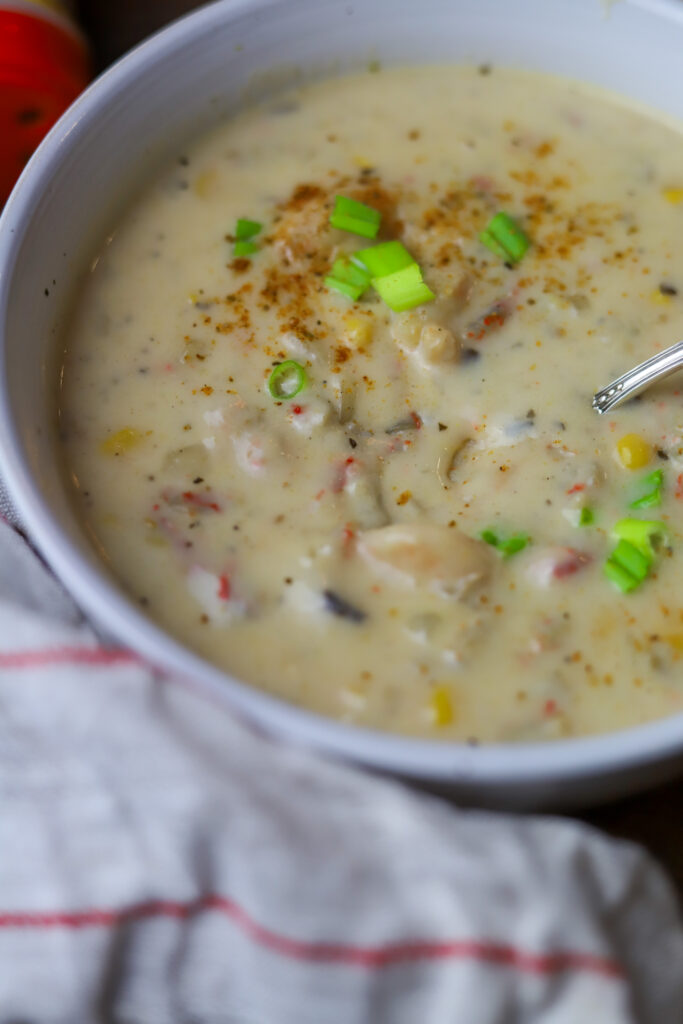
(441, 706)
(633, 451)
(192, 297)
(361, 161)
(109, 520)
(660, 298)
(205, 183)
(357, 330)
(122, 441)
(675, 641)
(673, 195)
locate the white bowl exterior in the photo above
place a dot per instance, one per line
(142, 111)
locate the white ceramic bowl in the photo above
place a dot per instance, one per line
(126, 124)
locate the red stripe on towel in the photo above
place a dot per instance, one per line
(67, 656)
(495, 954)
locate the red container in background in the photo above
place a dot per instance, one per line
(44, 65)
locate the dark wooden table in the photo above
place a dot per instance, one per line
(655, 819)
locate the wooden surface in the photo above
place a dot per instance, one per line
(655, 819)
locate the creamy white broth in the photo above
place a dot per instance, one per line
(328, 548)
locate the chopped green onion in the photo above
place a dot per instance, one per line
(645, 534)
(403, 290)
(383, 259)
(247, 228)
(287, 380)
(631, 559)
(505, 238)
(627, 566)
(652, 496)
(506, 547)
(586, 516)
(350, 215)
(490, 242)
(620, 577)
(352, 291)
(245, 248)
(348, 278)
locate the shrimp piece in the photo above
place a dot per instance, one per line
(428, 555)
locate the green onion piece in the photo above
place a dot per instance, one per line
(505, 238)
(245, 248)
(287, 380)
(631, 559)
(350, 215)
(247, 228)
(645, 534)
(586, 516)
(352, 291)
(653, 496)
(403, 290)
(627, 566)
(651, 500)
(383, 259)
(506, 547)
(620, 577)
(490, 242)
(348, 278)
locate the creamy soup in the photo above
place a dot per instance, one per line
(418, 523)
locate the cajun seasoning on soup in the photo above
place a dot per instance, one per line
(326, 404)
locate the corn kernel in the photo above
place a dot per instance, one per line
(122, 441)
(205, 184)
(441, 706)
(361, 161)
(675, 641)
(357, 330)
(660, 298)
(673, 195)
(633, 451)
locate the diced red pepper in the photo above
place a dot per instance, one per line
(200, 500)
(491, 320)
(574, 561)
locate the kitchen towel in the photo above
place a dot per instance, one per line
(160, 862)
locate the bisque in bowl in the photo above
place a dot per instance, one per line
(416, 540)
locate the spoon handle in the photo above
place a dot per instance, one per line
(639, 378)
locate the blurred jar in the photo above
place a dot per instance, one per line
(44, 65)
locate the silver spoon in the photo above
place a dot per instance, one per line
(639, 378)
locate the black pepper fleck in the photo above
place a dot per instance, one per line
(344, 609)
(469, 355)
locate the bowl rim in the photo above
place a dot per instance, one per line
(504, 764)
